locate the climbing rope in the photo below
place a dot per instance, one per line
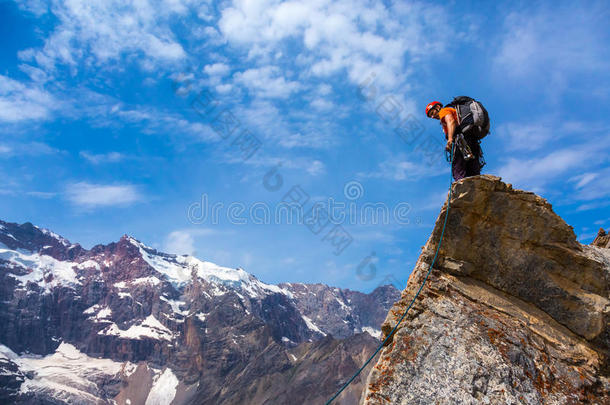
(414, 298)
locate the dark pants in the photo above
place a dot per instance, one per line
(462, 168)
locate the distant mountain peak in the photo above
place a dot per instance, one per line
(29, 237)
(55, 236)
(127, 319)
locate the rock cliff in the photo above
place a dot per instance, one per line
(515, 310)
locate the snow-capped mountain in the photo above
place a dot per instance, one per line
(126, 323)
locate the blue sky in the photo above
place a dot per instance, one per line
(98, 137)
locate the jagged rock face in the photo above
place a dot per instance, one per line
(307, 374)
(341, 312)
(515, 309)
(602, 239)
(126, 323)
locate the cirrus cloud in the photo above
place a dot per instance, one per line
(89, 195)
(109, 30)
(20, 102)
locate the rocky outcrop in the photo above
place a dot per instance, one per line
(515, 310)
(124, 323)
(602, 239)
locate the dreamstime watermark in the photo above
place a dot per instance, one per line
(367, 271)
(220, 118)
(226, 125)
(291, 210)
(325, 218)
(408, 128)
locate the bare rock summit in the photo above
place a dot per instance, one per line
(515, 310)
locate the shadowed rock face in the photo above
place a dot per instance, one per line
(123, 322)
(515, 309)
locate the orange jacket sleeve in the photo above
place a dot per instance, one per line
(446, 111)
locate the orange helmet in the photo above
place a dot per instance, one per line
(431, 105)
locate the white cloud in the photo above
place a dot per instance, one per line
(593, 185)
(585, 179)
(182, 241)
(110, 157)
(267, 121)
(582, 164)
(265, 162)
(217, 73)
(372, 234)
(204, 12)
(579, 167)
(288, 261)
(538, 171)
(324, 89)
(399, 168)
(433, 200)
(36, 75)
(267, 82)
(27, 149)
(554, 45)
(156, 121)
(87, 195)
(209, 34)
(593, 205)
(258, 20)
(354, 36)
(583, 237)
(109, 30)
(525, 136)
(36, 7)
(532, 136)
(19, 102)
(316, 168)
(41, 194)
(322, 104)
(314, 139)
(220, 69)
(223, 88)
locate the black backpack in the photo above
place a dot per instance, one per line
(471, 114)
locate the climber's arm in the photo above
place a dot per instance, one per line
(451, 125)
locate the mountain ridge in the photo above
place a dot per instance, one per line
(515, 310)
(124, 315)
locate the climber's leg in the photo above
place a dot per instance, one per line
(459, 166)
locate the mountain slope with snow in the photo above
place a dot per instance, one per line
(132, 323)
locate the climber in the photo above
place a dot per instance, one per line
(465, 121)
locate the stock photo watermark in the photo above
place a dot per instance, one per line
(226, 125)
(367, 271)
(291, 210)
(220, 118)
(324, 218)
(408, 127)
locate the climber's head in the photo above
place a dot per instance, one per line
(433, 108)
